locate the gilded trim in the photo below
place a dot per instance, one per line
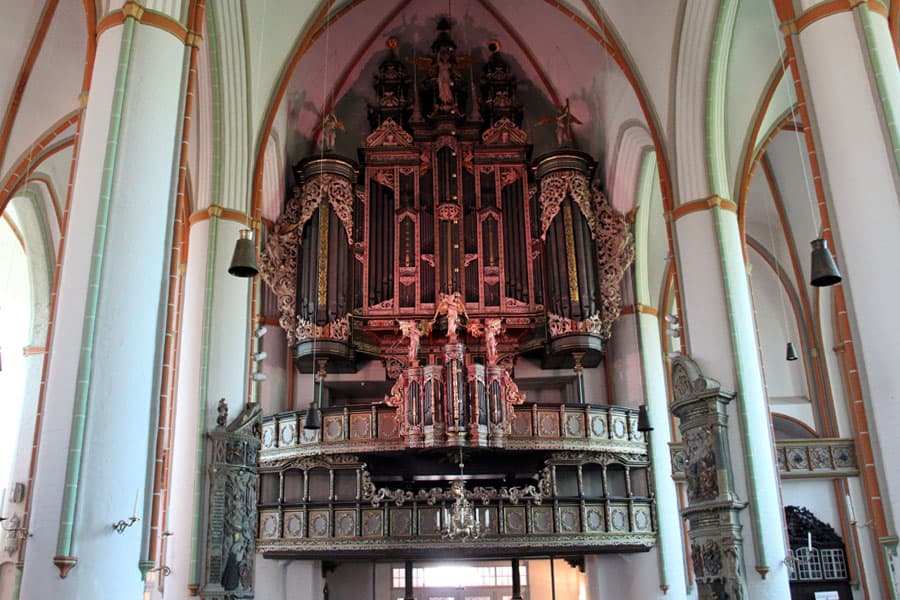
(323, 255)
(570, 254)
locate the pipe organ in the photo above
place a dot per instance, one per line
(446, 251)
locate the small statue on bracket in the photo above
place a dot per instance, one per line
(222, 410)
(414, 331)
(491, 329)
(329, 126)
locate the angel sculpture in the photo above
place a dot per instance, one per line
(330, 123)
(491, 329)
(564, 119)
(452, 305)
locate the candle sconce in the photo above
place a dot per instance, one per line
(120, 526)
(163, 570)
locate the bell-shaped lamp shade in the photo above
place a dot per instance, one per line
(243, 261)
(313, 417)
(822, 271)
(643, 423)
(791, 352)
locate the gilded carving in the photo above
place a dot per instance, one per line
(504, 131)
(609, 230)
(278, 262)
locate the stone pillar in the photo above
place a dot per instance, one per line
(717, 314)
(856, 137)
(103, 380)
(668, 522)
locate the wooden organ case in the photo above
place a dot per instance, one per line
(447, 252)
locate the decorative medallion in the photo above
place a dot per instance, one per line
(593, 520)
(268, 436)
(541, 520)
(269, 526)
(449, 211)
(568, 520)
(344, 523)
(287, 434)
(598, 426)
(318, 523)
(373, 523)
(618, 520)
(641, 520)
(293, 525)
(515, 520)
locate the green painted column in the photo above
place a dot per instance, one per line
(104, 370)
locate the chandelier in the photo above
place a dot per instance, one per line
(461, 520)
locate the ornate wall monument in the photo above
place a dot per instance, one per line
(713, 507)
(231, 516)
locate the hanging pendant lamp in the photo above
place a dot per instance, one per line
(243, 261)
(822, 271)
(643, 423)
(791, 352)
(313, 418)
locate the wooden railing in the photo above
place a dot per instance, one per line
(376, 428)
(831, 457)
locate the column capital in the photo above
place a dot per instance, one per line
(698, 205)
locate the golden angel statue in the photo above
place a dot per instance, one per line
(453, 306)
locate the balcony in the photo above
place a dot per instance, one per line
(531, 426)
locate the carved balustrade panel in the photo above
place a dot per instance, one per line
(305, 510)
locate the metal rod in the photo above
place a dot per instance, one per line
(552, 580)
(408, 586)
(516, 580)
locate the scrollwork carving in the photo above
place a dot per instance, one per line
(278, 261)
(609, 230)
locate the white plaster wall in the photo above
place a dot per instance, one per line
(776, 324)
(754, 56)
(624, 358)
(634, 24)
(619, 576)
(289, 580)
(273, 392)
(55, 81)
